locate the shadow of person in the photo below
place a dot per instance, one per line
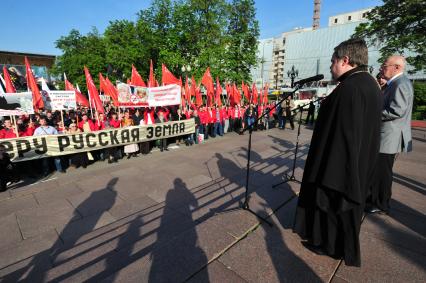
(181, 257)
(288, 266)
(285, 144)
(72, 232)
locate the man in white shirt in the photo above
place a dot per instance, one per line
(44, 130)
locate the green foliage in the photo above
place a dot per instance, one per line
(419, 105)
(198, 33)
(242, 34)
(399, 27)
(79, 51)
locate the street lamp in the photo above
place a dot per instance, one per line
(292, 74)
(186, 69)
(263, 58)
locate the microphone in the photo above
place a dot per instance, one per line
(310, 79)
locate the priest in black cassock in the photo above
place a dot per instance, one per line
(342, 155)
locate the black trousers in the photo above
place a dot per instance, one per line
(381, 191)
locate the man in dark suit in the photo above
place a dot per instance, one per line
(395, 134)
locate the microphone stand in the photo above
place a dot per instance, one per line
(292, 178)
(246, 205)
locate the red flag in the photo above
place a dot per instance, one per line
(31, 83)
(151, 82)
(136, 78)
(94, 95)
(102, 84)
(265, 94)
(187, 91)
(196, 91)
(167, 77)
(236, 95)
(207, 81)
(79, 97)
(245, 90)
(193, 86)
(218, 92)
(112, 92)
(254, 95)
(10, 88)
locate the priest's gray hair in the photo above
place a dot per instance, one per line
(355, 49)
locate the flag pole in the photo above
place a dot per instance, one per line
(90, 103)
(62, 118)
(16, 125)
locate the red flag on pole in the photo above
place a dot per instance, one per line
(151, 82)
(31, 83)
(79, 97)
(187, 91)
(167, 77)
(193, 86)
(102, 84)
(236, 95)
(265, 94)
(245, 90)
(207, 81)
(254, 93)
(112, 92)
(218, 92)
(196, 91)
(136, 79)
(10, 88)
(93, 92)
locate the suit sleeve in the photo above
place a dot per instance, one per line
(398, 104)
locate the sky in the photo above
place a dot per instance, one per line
(34, 26)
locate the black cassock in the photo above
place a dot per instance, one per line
(339, 167)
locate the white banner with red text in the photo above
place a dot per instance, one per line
(135, 96)
(36, 147)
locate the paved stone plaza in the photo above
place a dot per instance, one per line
(175, 217)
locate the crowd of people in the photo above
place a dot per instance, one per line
(210, 122)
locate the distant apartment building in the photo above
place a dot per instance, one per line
(277, 73)
(351, 17)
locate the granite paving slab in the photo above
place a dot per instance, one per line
(385, 262)
(9, 231)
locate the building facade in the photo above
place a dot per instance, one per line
(278, 73)
(261, 72)
(310, 50)
(40, 63)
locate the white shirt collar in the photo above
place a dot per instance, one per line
(393, 78)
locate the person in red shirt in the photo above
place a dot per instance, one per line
(114, 122)
(86, 125)
(100, 124)
(7, 132)
(148, 116)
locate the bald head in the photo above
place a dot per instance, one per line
(397, 60)
(393, 65)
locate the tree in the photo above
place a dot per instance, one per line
(123, 49)
(79, 51)
(398, 27)
(242, 34)
(198, 33)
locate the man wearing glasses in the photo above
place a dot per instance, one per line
(395, 134)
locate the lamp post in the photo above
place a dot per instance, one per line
(292, 74)
(185, 69)
(263, 58)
